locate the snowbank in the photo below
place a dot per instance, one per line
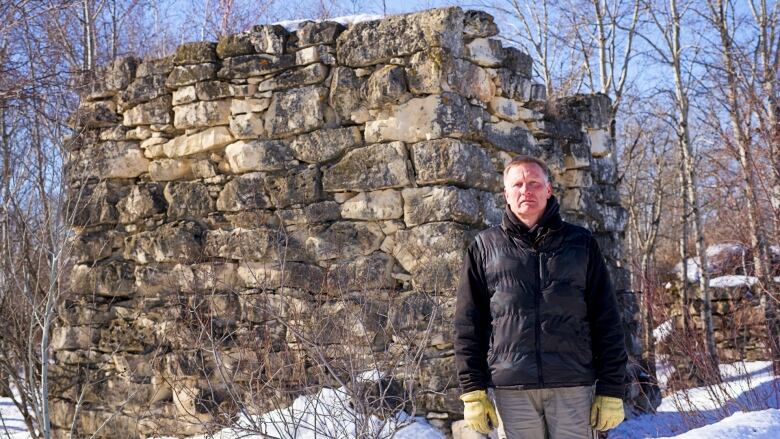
(762, 424)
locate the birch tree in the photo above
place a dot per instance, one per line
(670, 52)
(740, 86)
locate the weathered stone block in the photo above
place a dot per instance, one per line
(478, 24)
(485, 52)
(369, 168)
(190, 74)
(212, 90)
(576, 155)
(511, 137)
(202, 141)
(90, 246)
(324, 145)
(441, 203)
(603, 169)
(321, 212)
(592, 111)
(451, 161)
(375, 42)
(94, 204)
(95, 114)
(195, 53)
(345, 239)
(433, 254)
(111, 279)
(600, 142)
(180, 242)
(316, 54)
(308, 75)
(202, 114)
(170, 169)
(311, 33)
(269, 38)
(511, 110)
(247, 66)
(360, 274)
(257, 244)
(244, 192)
(273, 276)
(116, 77)
(156, 111)
(435, 70)
(612, 218)
(378, 205)
(234, 45)
(512, 86)
(387, 85)
(188, 200)
(296, 111)
(107, 160)
(577, 178)
(247, 126)
(73, 338)
(258, 155)
(142, 202)
(347, 95)
(184, 95)
(158, 66)
(519, 62)
(432, 117)
(142, 89)
(250, 105)
(295, 186)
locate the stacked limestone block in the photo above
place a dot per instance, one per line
(280, 210)
(739, 325)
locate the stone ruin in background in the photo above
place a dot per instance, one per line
(738, 320)
(284, 210)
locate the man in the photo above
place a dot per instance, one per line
(536, 319)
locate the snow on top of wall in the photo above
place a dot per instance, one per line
(733, 281)
(346, 20)
(725, 247)
(721, 251)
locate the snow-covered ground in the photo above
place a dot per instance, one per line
(11, 424)
(746, 406)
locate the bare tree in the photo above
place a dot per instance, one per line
(670, 51)
(645, 191)
(739, 86)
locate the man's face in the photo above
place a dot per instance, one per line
(527, 190)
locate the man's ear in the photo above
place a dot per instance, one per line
(549, 190)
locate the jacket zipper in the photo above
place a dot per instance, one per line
(538, 332)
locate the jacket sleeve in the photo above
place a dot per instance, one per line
(609, 349)
(472, 323)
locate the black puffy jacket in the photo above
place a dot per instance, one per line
(536, 309)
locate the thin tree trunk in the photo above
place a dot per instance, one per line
(691, 188)
(683, 249)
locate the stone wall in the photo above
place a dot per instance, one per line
(282, 210)
(739, 324)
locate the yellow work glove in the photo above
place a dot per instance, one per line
(478, 412)
(606, 412)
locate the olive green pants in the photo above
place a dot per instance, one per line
(558, 413)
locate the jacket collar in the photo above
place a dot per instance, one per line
(550, 220)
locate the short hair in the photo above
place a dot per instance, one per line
(525, 159)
